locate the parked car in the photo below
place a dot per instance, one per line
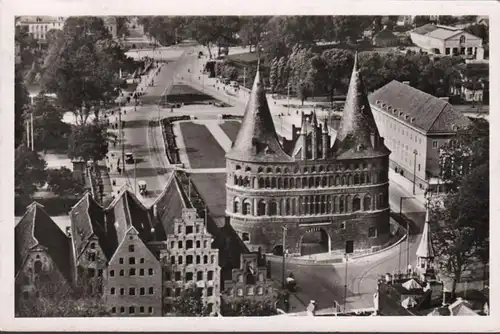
(234, 84)
(129, 158)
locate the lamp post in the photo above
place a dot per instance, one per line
(284, 246)
(415, 152)
(407, 233)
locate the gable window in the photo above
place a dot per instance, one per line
(434, 144)
(131, 260)
(131, 291)
(132, 272)
(131, 248)
(150, 271)
(112, 291)
(141, 272)
(112, 273)
(142, 291)
(189, 244)
(121, 260)
(150, 290)
(122, 272)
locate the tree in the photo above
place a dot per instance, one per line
(122, 26)
(248, 308)
(282, 75)
(89, 142)
(83, 68)
(346, 29)
(421, 20)
(29, 172)
(338, 67)
(303, 91)
(189, 304)
(464, 153)
(21, 101)
(252, 29)
(50, 132)
(479, 30)
(62, 182)
(461, 225)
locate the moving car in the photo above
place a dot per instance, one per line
(143, 188)
(234, 84)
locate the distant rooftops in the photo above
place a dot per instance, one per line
(438, 31)
(41, 19)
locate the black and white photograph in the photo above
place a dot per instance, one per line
(269, 166)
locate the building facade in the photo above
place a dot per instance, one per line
(328, 197)
(42, 258)
(250, 281)
(38, 26)
(415, 125)
(444, 40)
(189, 259)
(134, 279)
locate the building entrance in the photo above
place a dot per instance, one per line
(314, 241)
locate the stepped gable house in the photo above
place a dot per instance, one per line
(42, 253)
(329, 197)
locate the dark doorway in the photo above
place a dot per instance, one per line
(349, 246)
(314, 241)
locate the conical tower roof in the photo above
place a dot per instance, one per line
(358, 125)
(257, 140)
(425, 249)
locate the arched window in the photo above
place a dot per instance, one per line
(246, 208)
(292, 183)
(337, 180)
(287, 170)
(341, 204)
(269, 170)
(462, 39)
(334, 204)
(356, 204)
(313, 169)
(285, 183)
(261, 183)
(368, 178)
(238, 167)
(356, 179)
(278, 170)
(205, 259)
(348, 204)
(273, 182)
(317, 182)
(343, 181)
(349, 180)
(311, 182)
(280, 183)
(321, 169)
(273, 209)
(236, 206)
(235, 180)
(323, 181)
(331, 181)
(323, 205)
(268, 182)
(381, 176)
(240, 181)
(260, 170)
(248, 169)
(246, 181)
(261, 209)
(381, 202)
(367, 201)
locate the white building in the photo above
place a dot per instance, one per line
(38, 26)
(445, 40)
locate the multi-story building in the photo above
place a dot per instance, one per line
(327, 197)
(42, 254)
(190, 259)
(134, 283)
(251, 280)
(415, 125)
(445, 40)
(38, 26)
(112, 26)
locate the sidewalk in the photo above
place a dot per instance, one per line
(407, 185)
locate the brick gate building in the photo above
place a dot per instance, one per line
(307, 184)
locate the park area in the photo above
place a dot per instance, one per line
(231, 129)
(202, 148)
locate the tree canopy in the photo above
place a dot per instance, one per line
(29, 170)
(62, 182)
(82, 69)
(88, 141)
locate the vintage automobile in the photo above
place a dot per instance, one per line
(143, 188)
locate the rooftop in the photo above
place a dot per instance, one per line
(417, 108)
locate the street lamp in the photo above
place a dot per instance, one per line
(415, 152)
(407, 232)
(284, 246)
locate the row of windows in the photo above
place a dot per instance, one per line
(131, 260)
(189, 276)
(132, 272)
(188, 230)
(169, 292)
(132, 310)
(307, 169)
(189, 244)
(310, 182)
(311, 205)
(132, 291)
(189, 259)
(249, 291)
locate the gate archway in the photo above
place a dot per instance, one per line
(314, 241)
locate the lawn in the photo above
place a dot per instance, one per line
(202, 148)
(247, 57)
(212, 188)
(231, 129)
